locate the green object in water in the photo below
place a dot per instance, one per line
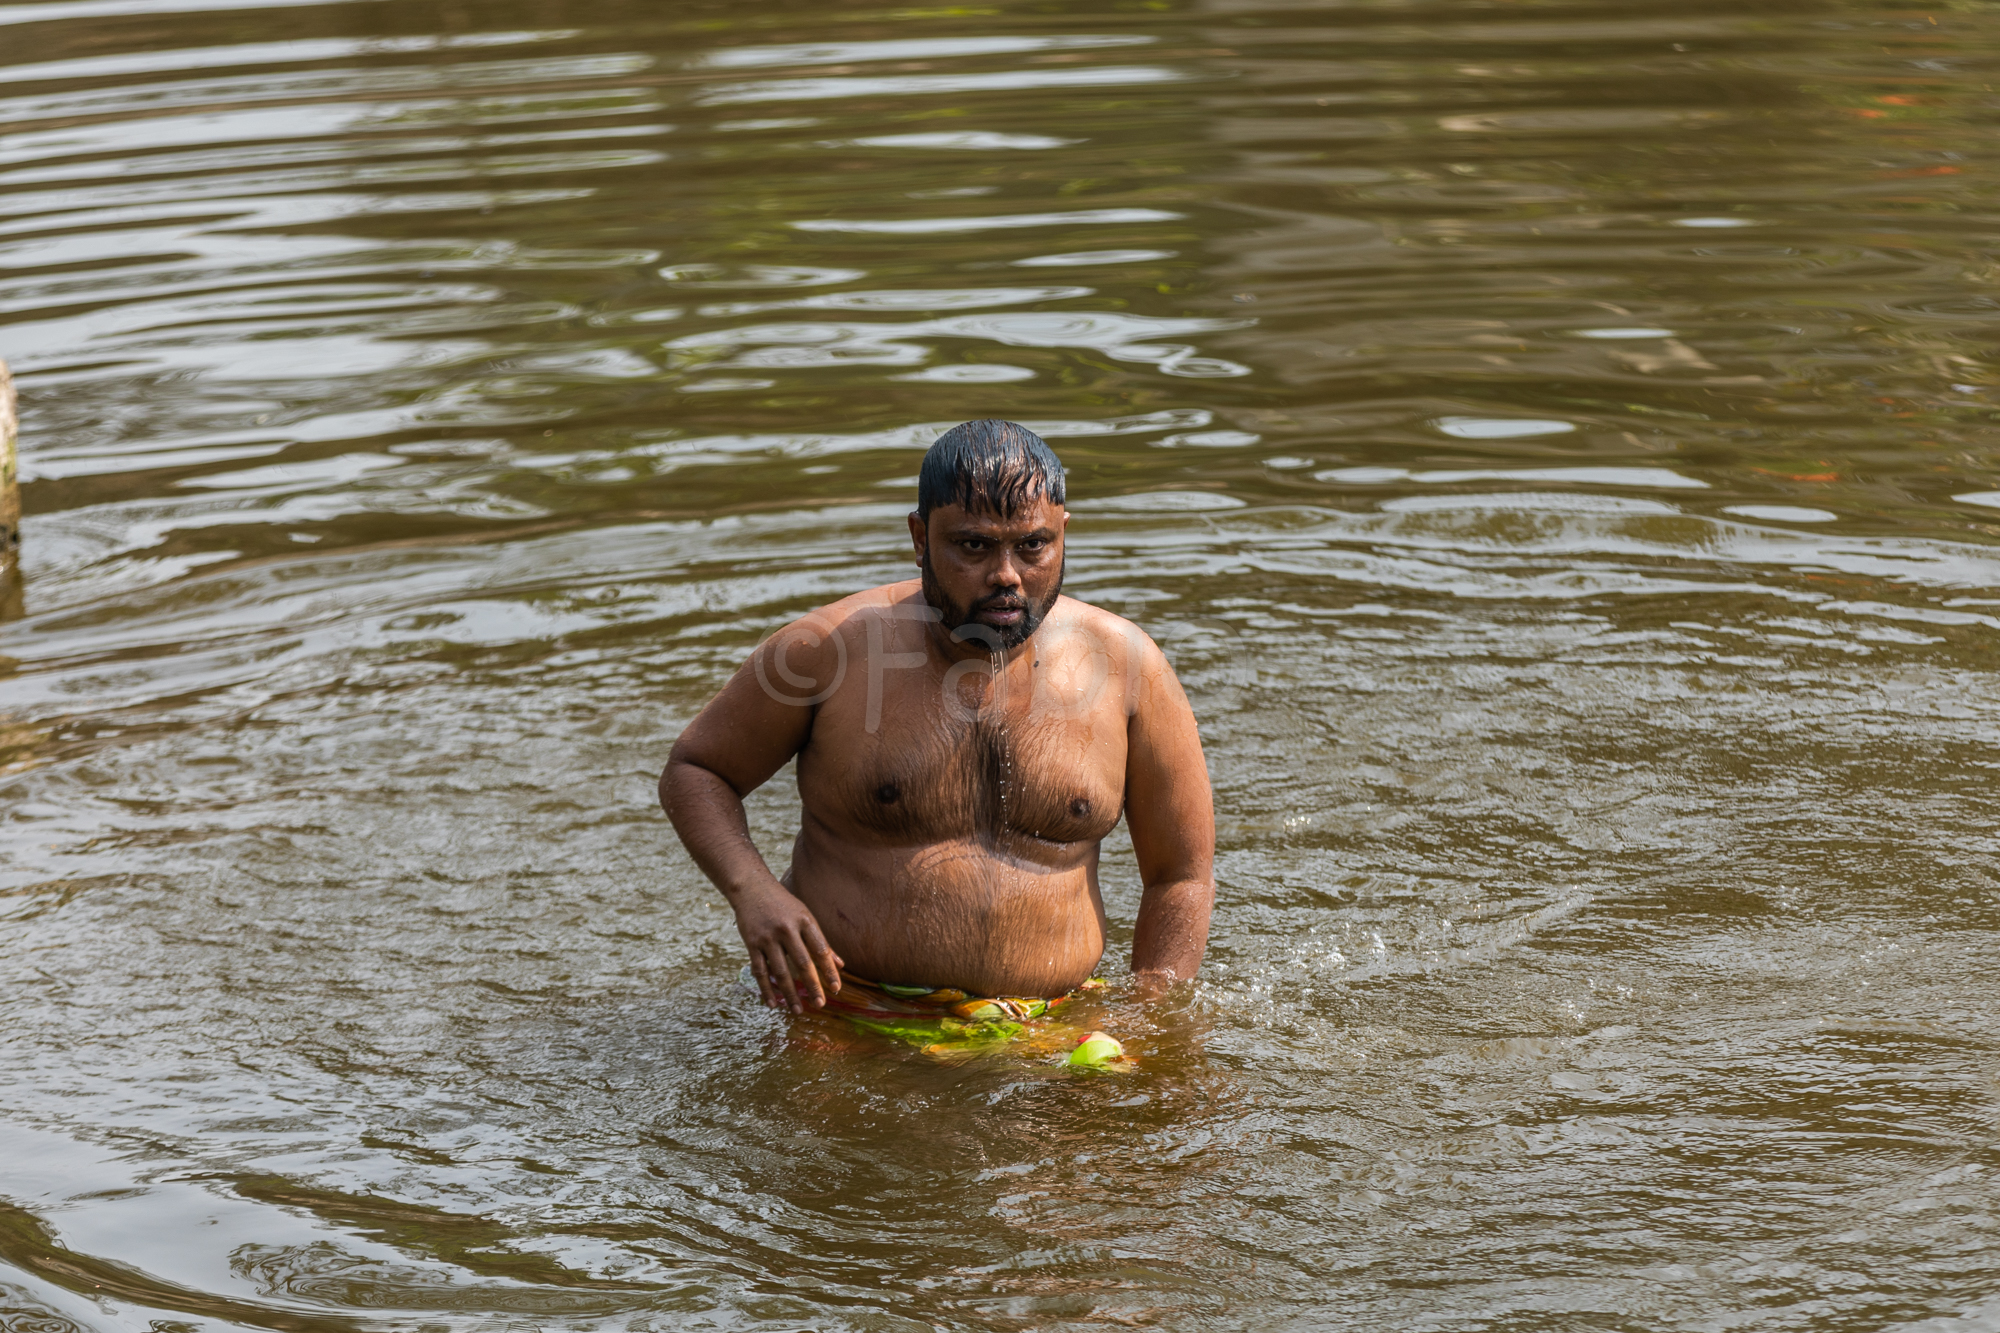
(1096, 1050)
(938, 1035)
(951, 1025)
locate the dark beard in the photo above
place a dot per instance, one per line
(959, 623)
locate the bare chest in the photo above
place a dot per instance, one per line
(926, 775)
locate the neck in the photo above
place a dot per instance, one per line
(975, 647)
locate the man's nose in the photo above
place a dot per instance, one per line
(1006, 574)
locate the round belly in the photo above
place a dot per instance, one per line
(961, 913)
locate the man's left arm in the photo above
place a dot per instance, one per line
(1171, 814)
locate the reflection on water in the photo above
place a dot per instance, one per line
(1554, 444)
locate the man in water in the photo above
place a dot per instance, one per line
(965, 740)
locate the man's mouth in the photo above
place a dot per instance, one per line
(1001, 613)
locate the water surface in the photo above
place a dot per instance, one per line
(1554, 442)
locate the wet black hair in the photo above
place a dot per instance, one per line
(993, 467)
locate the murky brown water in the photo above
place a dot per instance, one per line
(1555, 442)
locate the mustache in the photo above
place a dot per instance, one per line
(1001, 601)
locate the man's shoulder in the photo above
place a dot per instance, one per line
(890, 601)
(858, 608)
(1148, 680)
(1100, 628)
(810, 654)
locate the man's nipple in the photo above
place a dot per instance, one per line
(888, 793)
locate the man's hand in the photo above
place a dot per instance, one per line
(794, 966)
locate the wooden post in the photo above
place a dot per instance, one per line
(10, 501)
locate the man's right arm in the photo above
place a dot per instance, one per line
(1171, 814)
(762, 717)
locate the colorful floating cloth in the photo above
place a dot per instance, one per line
(953, 1024)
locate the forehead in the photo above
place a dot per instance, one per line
(1042, 515)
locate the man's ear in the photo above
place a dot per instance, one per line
(919, 536)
